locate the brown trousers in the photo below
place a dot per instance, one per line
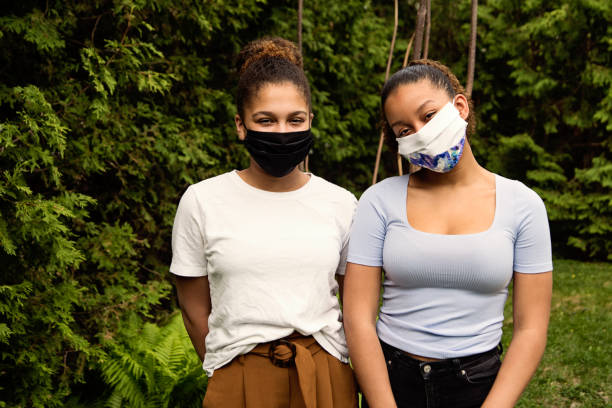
(315, 380)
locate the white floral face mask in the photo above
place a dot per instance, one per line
(438, 145)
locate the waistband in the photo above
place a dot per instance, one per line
(449, 362)
(295, 350)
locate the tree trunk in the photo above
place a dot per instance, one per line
(427, 31)
(387, 71)
(419, 30)
(472, 56)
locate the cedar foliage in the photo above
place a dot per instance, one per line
(552, 126)
(109, 109)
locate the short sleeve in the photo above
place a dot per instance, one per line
(188, 241)
(368, 232)
(348, 212)
(532, 247)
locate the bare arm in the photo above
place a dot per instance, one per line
(531, 300)
(194, 301)
(361, 296)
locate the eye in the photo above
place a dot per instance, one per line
(297, 120)
(264, 121)
(430, 115)
(404, 132)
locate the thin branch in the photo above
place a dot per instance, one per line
(303, 166)
(390, 58)
(400, 168)
(127, 28)
(93, 32)
(381, 139)
(299, 27)
(387, 71)
(472, 55)
(427, 31)
(408, 48)
(129, 24)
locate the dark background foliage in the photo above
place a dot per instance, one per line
(109, 109)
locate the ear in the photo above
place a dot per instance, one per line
(240, 128)
(462, 106)
(311, 117)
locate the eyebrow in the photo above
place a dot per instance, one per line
(397, 122)
(266, 113)
(400, 122)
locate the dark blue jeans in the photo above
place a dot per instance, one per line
(453, 383)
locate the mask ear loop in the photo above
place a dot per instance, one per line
(303, 165)
(246, 131)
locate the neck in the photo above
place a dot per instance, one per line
(258, 178)
(466, 172)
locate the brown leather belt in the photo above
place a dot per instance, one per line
(296, 351)
(421, 358)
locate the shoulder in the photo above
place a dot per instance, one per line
(206, 191)
(520, 193)
(218, 189)
(333, 191)
(525, 203)
(213, 184)
(383, 190)
(382, 199)
(331, 197)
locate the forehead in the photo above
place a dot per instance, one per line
(412, 96)
(281, 97)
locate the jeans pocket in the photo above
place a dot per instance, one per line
(482, 370)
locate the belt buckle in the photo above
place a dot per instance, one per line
(278, 362)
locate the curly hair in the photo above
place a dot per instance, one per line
(269, 60)
(439, 75)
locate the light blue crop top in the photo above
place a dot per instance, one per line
(444, 295)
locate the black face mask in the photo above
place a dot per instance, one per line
(278, 153)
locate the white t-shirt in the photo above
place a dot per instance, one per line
(270, 259)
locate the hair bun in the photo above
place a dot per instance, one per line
(268, 47)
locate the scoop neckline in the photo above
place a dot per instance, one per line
(472, 234)
(274, 194)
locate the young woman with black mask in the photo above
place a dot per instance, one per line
(450, 237)
(259, 253)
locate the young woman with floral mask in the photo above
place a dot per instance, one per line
(256, 252)
(450, 238)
